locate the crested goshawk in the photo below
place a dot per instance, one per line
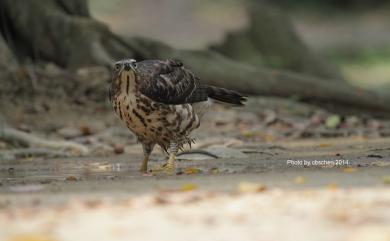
(161, 102)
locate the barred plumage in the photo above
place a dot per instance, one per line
(161, 101)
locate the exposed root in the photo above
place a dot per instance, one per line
(31, 152)
(12, 135)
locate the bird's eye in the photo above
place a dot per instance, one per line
(117, 66)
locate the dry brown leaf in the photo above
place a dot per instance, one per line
(214, 170)
(191, 170)
(324, 145)
(71, 178)
(349, 169)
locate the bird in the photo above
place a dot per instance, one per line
(162, 102)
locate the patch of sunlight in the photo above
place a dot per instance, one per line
(375, 76)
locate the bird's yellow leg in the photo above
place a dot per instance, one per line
(170, 166)
(147, 148)
(144, 166)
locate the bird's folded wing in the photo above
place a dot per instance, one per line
(169, 82)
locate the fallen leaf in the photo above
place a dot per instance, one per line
(248, 134)
(214, 170)
(349, 169)
(187, 187)
(192, 170)
(332, 187)
(300, 180)
(386, 180)
(324, 145)
(250, 187)
(85, 130)
(333, 121)
(71, 178)
(31, 237)
(93, 203)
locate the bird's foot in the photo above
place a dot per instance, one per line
(144, 166)
(164, 169)
(143, 169)
(168, 168)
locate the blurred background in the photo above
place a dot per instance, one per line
(354, 35)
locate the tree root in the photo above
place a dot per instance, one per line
(15, 136)
(14, 154)
(215, 69)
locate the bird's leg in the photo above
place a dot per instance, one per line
(169, 167)
(147, 148)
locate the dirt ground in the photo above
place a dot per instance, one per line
(339, 163)
(251, 197)
(284, 171)
(269, 175)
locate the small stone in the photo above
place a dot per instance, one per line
(69, 132)
(119, 149)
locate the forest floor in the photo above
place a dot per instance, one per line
(280, 163)
(285, 171)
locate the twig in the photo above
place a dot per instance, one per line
(197, 151)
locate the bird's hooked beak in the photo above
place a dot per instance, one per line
(130, 64)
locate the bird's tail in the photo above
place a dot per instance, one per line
(225, 95)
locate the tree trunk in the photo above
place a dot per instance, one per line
(7, 61)
(270, 40)
(59, 31)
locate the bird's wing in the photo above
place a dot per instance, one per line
(169, 82)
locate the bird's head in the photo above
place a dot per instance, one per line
(123, 76)
(126, 65)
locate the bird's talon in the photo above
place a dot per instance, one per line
(164, 169)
